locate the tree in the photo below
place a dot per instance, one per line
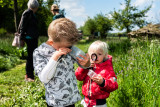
(103, 24)
(15, 14)
(89, 27)
(7, 15)
(129, 17)
(11, 11)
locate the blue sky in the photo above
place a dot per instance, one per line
(79, 10)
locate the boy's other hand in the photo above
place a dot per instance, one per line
(85, 61)
(60, 52)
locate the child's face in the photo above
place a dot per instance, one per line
(62, 44)
(100, 56)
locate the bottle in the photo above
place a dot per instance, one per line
(91, 73)
(76, 52)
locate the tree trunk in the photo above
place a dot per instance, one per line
(103, 35)
(128, 30)
(15, 14)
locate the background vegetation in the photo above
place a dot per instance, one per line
(136, 64)
(43, 14)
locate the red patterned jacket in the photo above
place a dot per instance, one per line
(95, 91)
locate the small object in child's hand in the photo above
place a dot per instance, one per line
(91, 73)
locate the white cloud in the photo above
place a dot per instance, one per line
(109, 16)
(122, 6)
(151, 15)
(140, 2)
(144, 2)
(74, 10)
(157, 17)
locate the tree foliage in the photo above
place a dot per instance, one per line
(103, 24)
(90, 27)
(129, 17)
(7, 14)
(100, 23)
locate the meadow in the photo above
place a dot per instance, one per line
(136, 64)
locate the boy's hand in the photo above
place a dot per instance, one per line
(60, 52)
(85, 61)
(98, 79)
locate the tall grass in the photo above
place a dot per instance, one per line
(136, 65)
(138, 76)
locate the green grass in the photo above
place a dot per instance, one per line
(17, 92)
(136, 65)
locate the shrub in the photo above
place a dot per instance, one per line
(2, 31)
(8, 61)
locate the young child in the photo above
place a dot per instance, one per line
(96, 89)
(54, 66)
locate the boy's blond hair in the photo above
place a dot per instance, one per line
(63, 28)
(98, 45)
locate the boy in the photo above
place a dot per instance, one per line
(54, 66)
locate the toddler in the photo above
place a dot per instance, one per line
(96, 88)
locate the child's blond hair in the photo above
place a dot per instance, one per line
(63, 28)
(98, 45)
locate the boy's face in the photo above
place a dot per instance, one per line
(100, 56)
(61, 44)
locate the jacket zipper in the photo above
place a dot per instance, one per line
(89, 91)
(90, 85)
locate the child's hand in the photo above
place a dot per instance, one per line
(85, 61)
(60, 52)
(92, 65)
(98, 79)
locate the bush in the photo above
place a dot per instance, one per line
(119, 47)
(2, 31)
(8, 61)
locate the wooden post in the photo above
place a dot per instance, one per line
(15, 14)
